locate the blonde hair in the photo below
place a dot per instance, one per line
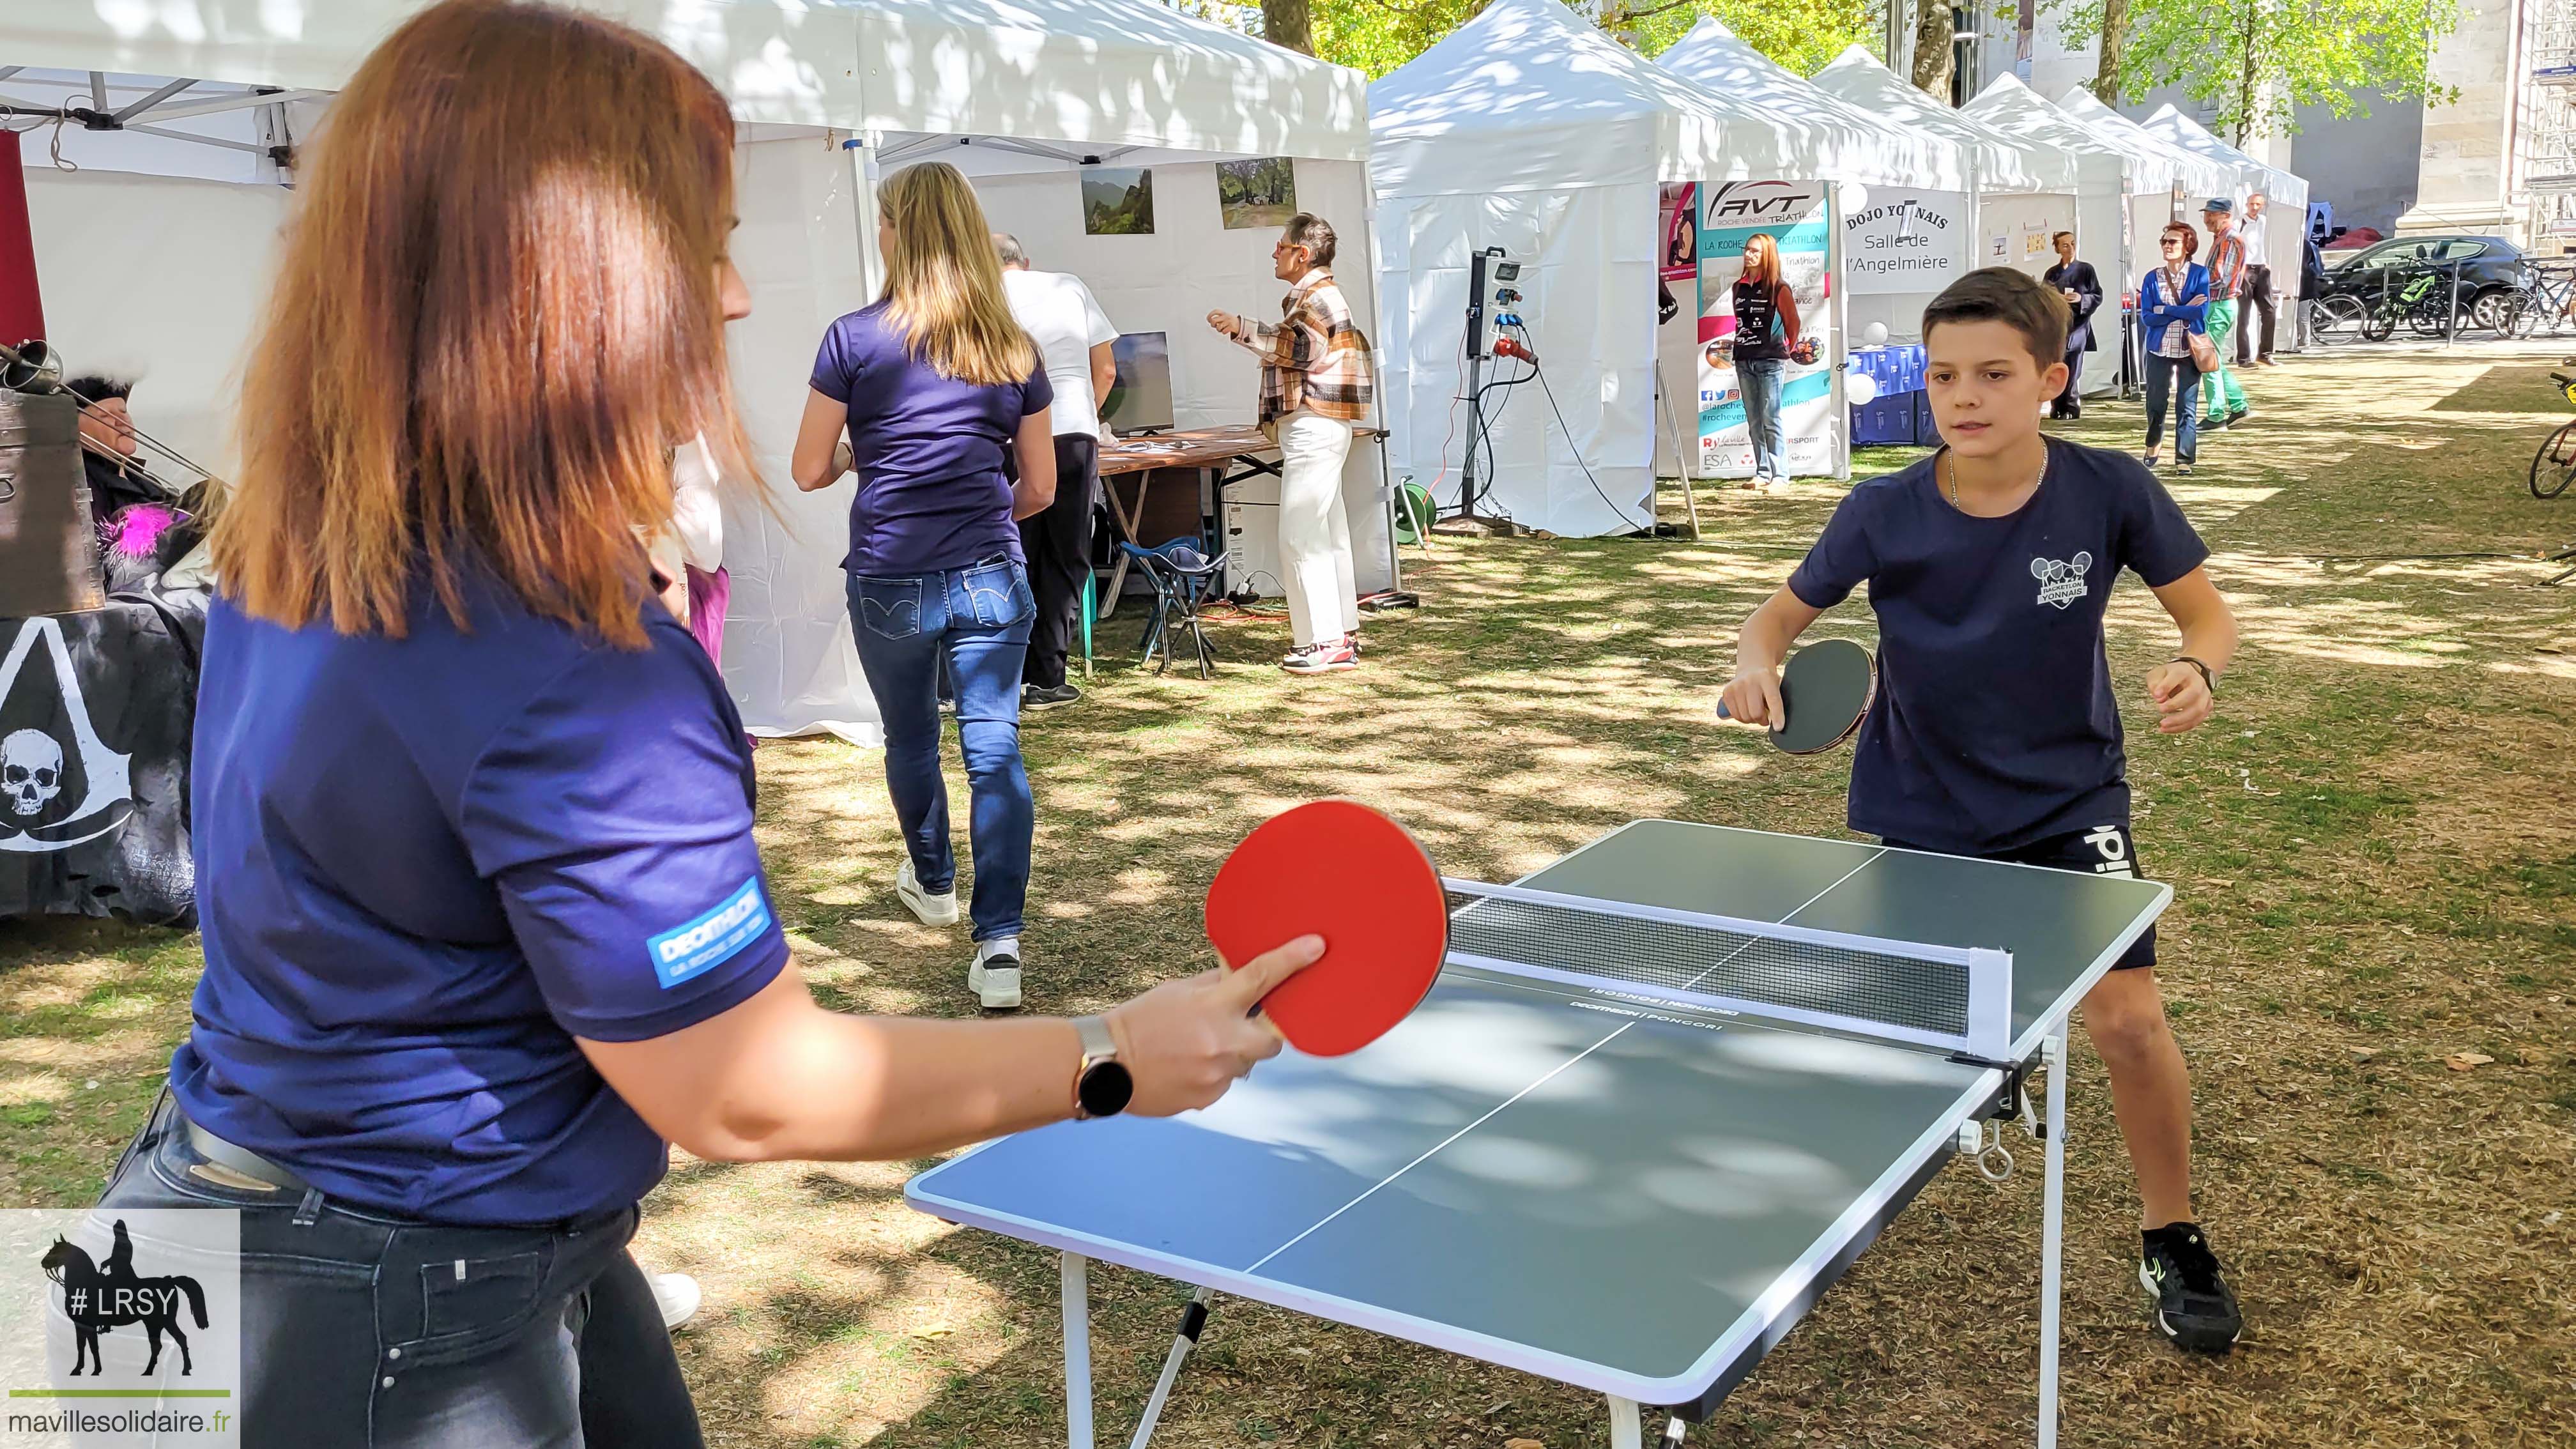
(944, 280)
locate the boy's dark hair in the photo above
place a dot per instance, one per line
(1314, 234)
(2014, 298)
(97, 388)
(2061, 236)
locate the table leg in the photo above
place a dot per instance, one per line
(1627, 1429)
(2052, 1233)
(1127, 528)
(1192, 1321)
(1077, 1351)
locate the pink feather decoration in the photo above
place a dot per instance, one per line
(137, 531)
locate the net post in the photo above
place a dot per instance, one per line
(1990, 998)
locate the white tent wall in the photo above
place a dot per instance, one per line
(1169, 281)
(789, 660)
(1588, 258)
(162, 277)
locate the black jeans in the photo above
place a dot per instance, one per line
(2070, 403)
(2257, 297)
(1058, 544)
(362, 1328)
(2178, 378)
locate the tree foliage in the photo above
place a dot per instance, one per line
(2257, 61)
(1376, 36)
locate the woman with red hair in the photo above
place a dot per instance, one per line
(485, 925)
(1766, 336)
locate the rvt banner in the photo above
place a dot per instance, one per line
(1793, 214)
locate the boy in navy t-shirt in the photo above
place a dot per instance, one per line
(1996, 730)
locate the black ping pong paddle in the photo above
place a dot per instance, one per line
(1339, 870)
(1825, 693)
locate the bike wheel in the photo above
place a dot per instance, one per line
(2555, 464)
(2522, 315)
(2493, 310)
(2427, 317)
(2379, 326)
(2334, 320)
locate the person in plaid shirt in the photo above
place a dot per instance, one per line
(1316, 384)
(2226, 262)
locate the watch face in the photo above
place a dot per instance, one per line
(1106, 1089)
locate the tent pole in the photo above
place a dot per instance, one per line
(862, 153)
(1841, 312)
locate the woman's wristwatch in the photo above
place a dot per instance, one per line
(2208, 679)
(1101, 1085)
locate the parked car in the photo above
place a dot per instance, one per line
(2489, 267)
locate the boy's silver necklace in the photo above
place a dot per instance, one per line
(2034, 483)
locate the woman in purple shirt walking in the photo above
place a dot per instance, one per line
(931, 385)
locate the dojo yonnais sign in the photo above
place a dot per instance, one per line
(1905, 243)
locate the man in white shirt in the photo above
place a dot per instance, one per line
(2258, 296)
(1073, 337)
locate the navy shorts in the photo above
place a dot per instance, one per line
(2100, 850)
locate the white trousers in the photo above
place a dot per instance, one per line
(1314, 529)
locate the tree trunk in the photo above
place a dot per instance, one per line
(1932, 57)
(2245, 86)
(1287, 22)
(2115, 48)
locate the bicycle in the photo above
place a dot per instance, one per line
(2554, 466)
(2335, 319)
(2548, 300)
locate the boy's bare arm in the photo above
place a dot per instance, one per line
(1753, 695)
(2178, 691)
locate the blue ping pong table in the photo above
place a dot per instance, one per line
(1665, 1091)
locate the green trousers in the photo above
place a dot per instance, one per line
(2221, 383)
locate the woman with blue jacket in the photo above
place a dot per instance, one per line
(2172, 307)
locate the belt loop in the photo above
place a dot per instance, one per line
(151, 1122)
(310, 1208)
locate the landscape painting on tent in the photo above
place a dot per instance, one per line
(1259, 193)
(1117, 201)
(1793, 214)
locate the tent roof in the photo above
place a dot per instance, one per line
(2196, 172)
(2190, 135)
(2006, 162)
(2015, 109)
(1526, 96)
(1863, 146)
(1092, 73)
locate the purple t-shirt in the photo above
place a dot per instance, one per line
(928, 450)
(1995, 723)
(425, 865)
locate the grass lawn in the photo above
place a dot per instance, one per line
(2369, 963)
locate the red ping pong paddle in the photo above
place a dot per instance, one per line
(1339, 870)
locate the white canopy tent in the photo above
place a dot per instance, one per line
(821, 89)
(2020, 189)
(2105, 184)
(1855, 143)
(2195, 176)
(1530, 130)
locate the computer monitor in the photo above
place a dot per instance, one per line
(1140, 400)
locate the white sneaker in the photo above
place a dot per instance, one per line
(676, 1294)
(995, 976)
(938, 910)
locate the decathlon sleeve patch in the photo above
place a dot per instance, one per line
(711, 939)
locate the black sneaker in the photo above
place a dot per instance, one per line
(2194, 1308)
(2238, 416)
(2217, 424)
(1039, 696)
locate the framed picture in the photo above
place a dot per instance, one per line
(1260, 194)
(1118, 201)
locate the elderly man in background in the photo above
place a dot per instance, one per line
(2256, 230)
(1074, 339)
(2222, 398)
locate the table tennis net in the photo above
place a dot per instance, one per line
(1940, 997)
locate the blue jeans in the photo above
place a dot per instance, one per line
(1761, 383)
(363, 1328)
(976, 620)
(2160, 382)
